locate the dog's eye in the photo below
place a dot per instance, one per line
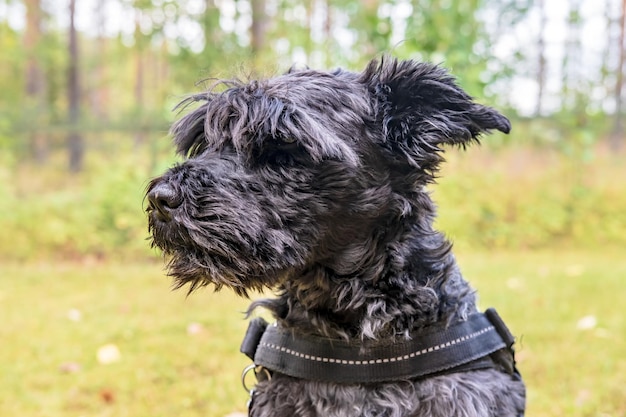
(283, 144)
(278, 150)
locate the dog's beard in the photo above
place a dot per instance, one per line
(198, 270)
(197, 258)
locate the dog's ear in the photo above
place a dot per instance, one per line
(421, 107)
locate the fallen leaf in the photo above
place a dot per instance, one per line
(74, 314)
(587, 323)
(107, 395)
(583, 397)
(574, 270)
(515, 283)
(70, 367)
(109, 354)
(194, 328)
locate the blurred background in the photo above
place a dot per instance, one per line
(87, 91)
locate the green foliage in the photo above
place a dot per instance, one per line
(97, 215)
(11, 81)
(455, 41)
(503, 198)
(531, 198)
(133, 78)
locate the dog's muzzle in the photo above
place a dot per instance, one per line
(162, 201)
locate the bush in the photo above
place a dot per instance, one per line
(506, 198)
(99, 214)
(530, 199)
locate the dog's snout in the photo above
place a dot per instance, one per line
(163, 200)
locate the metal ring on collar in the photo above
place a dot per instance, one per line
(256, 369)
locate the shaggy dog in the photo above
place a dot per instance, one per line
(313, 184)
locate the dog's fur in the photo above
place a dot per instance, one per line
(313, 184)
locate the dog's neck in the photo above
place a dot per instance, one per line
(386, 299)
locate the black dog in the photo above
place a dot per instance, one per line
(313, 184)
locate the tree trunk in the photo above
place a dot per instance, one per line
(258, 29)
(75, 141)
(541, 69)
(35, 81)
(617, 136)
(140, 134)
(571, 59)
(210, 25)
(99, 91)
(328, 33)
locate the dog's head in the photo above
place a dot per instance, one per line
(307, 170)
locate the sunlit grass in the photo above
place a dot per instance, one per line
(179, 356)
(567, 310)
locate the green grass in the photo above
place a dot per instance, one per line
(542, 296)
(165, 370)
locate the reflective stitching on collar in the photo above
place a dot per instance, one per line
(376, 361)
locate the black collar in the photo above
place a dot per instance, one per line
(461, 346)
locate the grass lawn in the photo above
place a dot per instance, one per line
(172, 355)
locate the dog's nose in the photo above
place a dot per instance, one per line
(163, 200)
